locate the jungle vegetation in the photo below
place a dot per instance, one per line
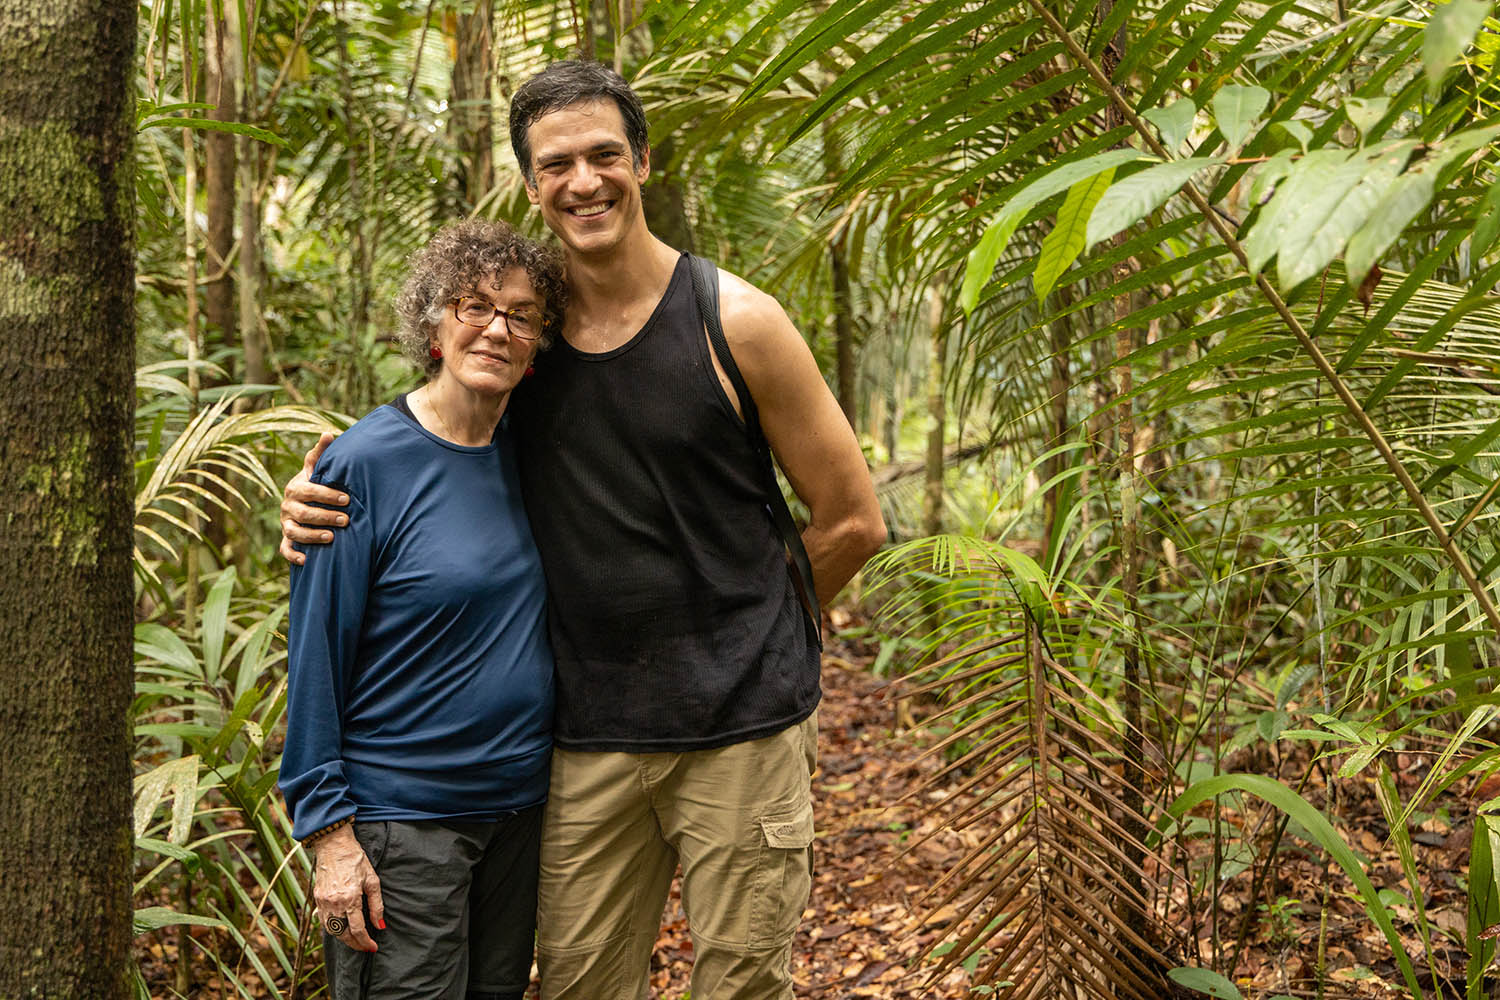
(1168, 327)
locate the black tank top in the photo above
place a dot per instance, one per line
(674, 621)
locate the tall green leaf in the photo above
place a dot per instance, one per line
(1315, 823)
(987, 253)
(1448, 34)
(1061, 247)
(1484, 903)
(1133, 198)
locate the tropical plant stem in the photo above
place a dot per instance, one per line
(1325, 368)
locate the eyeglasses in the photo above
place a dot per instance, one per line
(523, 324)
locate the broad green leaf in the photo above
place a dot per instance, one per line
(1406, 198)
(1174, 121)
(180, 776)
(1401, 203)
(1061, 247)
(1309, 735)
(167, 848)
(1365, 113)
(1359, 760)
(1271, 725)
(150, 918)
(243, 709)
(1206, 981)
(1299, 132)
(214, 125)
(1321, 227)
(1304, 180)
(144, 109)
(984, 257)
(1295, 680)
(1488, 225)
(1236, 109)
(1268, 175)
(1448, 34)
(986, 253)
(1484, 902)
(253, 658)
(1320, 829)
(159, 643)
(1137, 196)
(215, 622)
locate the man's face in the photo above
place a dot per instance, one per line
(588, 190)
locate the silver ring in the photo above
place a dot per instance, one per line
(335, 925)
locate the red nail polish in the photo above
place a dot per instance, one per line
(380, 924)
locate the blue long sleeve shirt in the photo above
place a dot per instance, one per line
(419, 677)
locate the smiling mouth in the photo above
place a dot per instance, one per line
(590, 211)
(492, 357)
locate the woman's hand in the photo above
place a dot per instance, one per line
(343, 883)
(297, 512)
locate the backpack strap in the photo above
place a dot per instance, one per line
(706, 290)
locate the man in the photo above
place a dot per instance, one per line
(687, 673)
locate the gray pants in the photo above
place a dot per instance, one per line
(460, 912)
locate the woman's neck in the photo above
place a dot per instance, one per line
(456, 414)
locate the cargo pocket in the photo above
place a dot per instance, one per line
(785, 876)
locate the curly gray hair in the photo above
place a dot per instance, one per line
(454, 262)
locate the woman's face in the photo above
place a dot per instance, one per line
(490, 360)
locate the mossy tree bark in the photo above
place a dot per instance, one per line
(220, 84)
(66, 398)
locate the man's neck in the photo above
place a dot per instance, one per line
(625, 273)
(611, 295)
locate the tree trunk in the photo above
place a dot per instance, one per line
(843, 330)
(67, 234)
(664, 201)
(633, 44)
(252, 337)
(937, 409)
(843, 300)
(1058, 388)
(356, 386)
(897, 390)
(1132, 795)
(472, 112)
(220, 79)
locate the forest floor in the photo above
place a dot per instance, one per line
(867, 929)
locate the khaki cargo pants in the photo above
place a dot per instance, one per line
(739, 821)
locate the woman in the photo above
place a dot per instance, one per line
(419, 703)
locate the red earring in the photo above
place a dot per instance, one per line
(530, 371)
(434, 352)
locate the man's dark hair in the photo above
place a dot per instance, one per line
(564, 84)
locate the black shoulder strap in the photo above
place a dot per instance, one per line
(706, 290)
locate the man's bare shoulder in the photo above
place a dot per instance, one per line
(755, 324)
